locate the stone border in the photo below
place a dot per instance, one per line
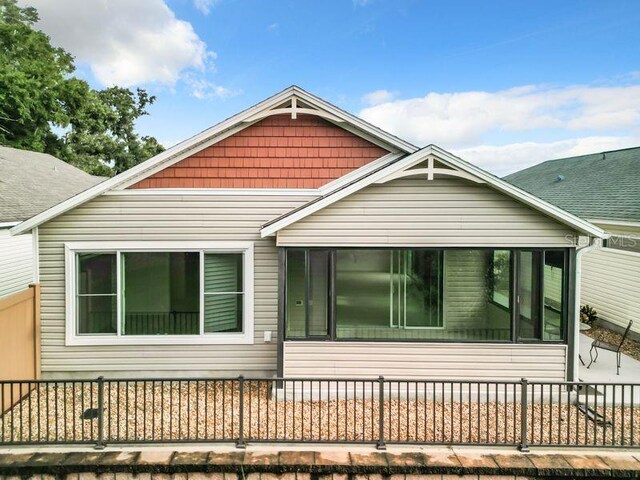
(315, 464)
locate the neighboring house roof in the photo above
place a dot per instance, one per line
(31, 182)
(401, 167)
(292, 100)
(596, 187)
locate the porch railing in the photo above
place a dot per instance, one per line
(319, 410)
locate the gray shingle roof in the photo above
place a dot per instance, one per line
(31, 182)
(599, 186)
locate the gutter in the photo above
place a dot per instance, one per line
(594, 243)
(8, 224)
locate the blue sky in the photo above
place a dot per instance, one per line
(502, 83)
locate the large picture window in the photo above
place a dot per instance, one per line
(471, 295)
(159, 293)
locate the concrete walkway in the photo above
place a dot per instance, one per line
(322, 463)
(604, 370)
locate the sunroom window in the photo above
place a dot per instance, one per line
(149, 293)
(458, 294)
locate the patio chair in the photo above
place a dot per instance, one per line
(596, 344)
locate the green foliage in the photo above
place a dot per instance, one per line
(588, 314)
(44, 108)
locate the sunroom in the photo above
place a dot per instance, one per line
(427, 268)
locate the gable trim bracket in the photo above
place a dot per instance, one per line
(431, 171)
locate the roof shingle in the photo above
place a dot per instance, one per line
(31, 182)
(598, 186)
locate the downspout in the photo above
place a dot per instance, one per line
(592, 244)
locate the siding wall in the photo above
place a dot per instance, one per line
(16, 262)
(161, 217)
(611, 284)
(434, 360)
(418, 212)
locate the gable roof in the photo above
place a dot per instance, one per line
(31, 182)
(598, 186)
(458, 167)
(291, 100)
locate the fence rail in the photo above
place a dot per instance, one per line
(319, 410)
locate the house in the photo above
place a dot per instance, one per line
(30, 182)
(297, 239)
(603, 188)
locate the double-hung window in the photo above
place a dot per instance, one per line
(159, 293)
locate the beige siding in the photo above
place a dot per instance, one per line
(424, 360)
(611, 284)
(418, 212)
(16, 262)
(162, 217)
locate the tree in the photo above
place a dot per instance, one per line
(44, 108)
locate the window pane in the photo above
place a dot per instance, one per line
(500, 277)
(96, 273)
(470, 312)
(529, 295)
(553, 295)
(307, 283)
(96, 314)
(223, 313)
(421, 280)
(318, 293)
(223, 272)
(223, 307)
(420, 295)
(363, 293)
(296, 307)
(161, 293)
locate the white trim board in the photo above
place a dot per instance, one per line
(217, 191)
(246, 337)
(450, 160)
(210, 136)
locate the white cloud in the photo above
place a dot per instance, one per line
(205, 90)
(205, 6)
(511, 129)
(463, 119)
(125, 42)
(378, 97)
(504, 159)
(361, 3)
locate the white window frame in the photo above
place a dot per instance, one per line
(245, 337)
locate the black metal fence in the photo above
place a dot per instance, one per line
(319, 410)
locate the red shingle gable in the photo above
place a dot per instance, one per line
(277, 152)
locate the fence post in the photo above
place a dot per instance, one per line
(381, 445)
(524, 404)
(240, 443)
(100, 442)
